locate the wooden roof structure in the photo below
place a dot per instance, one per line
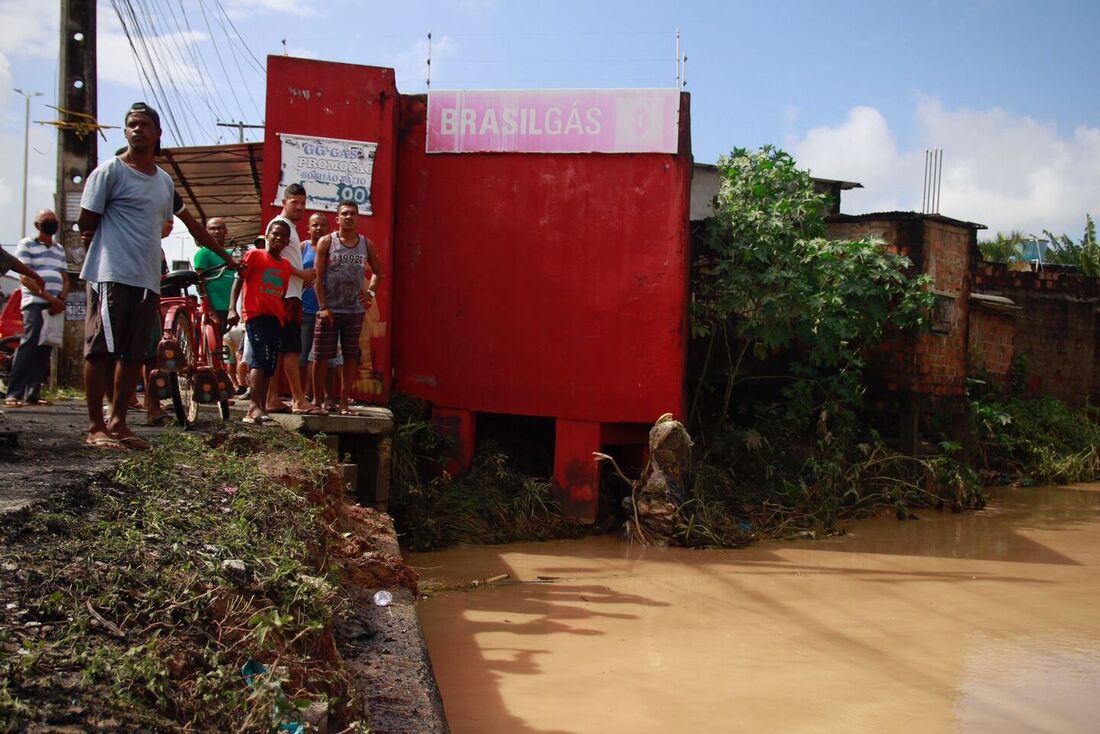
(220, 181)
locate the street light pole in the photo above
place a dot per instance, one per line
(26, 151)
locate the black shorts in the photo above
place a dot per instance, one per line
(264, 333)
(120, 320)
(291, 342)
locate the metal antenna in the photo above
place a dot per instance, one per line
(924, 186)
(933, 179)
(429, 61)
(684, 79)
(939, 182)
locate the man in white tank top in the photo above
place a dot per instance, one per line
(343, 295)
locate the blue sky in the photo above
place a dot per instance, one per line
(855, 90)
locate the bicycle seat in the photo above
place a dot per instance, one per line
(180, 278)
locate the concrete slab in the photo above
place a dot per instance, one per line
(368, 419)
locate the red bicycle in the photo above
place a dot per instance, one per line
(190, 367)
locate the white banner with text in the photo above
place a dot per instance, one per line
(331, 171)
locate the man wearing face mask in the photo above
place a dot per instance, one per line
(45, 257)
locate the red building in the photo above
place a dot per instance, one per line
(548, 285)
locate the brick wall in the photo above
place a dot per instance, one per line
(929, 363)
(941, 354)
(1056, 328)
(992, 342)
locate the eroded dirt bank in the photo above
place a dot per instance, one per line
(135, 586)
(972, 622)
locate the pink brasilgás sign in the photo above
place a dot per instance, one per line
(559, 121)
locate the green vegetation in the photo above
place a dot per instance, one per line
(492, 503)
(139, 601)
(769, 283)
(767, 280)
(1084, 254)
(1004, 248)
(1040, 440)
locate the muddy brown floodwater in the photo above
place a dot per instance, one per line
(978, 622)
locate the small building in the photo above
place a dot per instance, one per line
(536, 286)
(917, 376)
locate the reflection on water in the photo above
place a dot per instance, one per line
(977, 622)
(1041, 683)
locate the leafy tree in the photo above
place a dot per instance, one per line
(1003, 248)
(768, 279)
(1085, 255)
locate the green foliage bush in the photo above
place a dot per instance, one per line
(767, 281)
(1041, 440)
(492, 503)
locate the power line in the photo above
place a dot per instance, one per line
(170, 63)
(222, 112)
(263, 72)
(229, 83)
(143, 68)
(259, 66)
(209, 98)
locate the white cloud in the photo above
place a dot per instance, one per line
(115, 59)
(26, 31)
(1004, 171)
(40, 188)
(247, 8)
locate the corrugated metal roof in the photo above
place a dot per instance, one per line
(220, 181)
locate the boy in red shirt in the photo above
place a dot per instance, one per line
(265, 281)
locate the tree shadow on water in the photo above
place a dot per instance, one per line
(464, 630)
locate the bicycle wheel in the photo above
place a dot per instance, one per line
(213, 353)
(183, 395)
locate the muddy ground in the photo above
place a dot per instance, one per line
(48, 460)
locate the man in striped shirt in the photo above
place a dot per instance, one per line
(40, 299)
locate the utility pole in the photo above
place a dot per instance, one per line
(240, 128)
(26, 151)
(77, 156)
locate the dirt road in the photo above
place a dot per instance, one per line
(50, 453)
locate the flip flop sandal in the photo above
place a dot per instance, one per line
(14, 403)
(161, 420)
(104, 442)
(135, 443)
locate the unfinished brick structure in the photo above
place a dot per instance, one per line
(986, 316)
(925, 374)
